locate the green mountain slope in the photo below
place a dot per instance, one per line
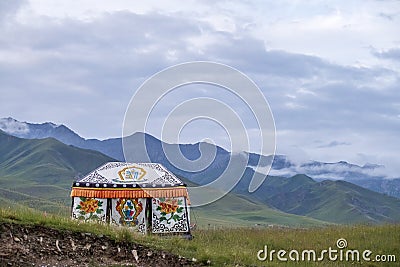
(46, 159)
(33, 171)
(237, 210)
(39, 173)
(333, 201)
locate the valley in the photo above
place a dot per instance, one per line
(39, 172)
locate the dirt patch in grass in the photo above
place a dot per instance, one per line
(26, 245)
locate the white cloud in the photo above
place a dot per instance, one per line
(11, 126)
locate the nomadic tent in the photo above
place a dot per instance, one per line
(144, 196)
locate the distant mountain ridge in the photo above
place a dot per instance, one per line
(39, 172)
(334, 201)
(111, 147)
(48, 159)
(369, 176)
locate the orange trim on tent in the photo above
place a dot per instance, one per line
(130, 192)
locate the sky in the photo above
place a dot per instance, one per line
(330, 70)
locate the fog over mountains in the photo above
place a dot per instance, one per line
(370, 176)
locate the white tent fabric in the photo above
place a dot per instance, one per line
(144, 196)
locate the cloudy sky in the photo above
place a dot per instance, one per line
(330, 70)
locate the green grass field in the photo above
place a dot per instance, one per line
(239, 246)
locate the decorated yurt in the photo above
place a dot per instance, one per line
(143, 196)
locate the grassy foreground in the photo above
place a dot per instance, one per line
(239, 247)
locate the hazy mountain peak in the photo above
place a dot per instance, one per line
(302, 178)
(14, 127)
(55, 125)
(371, 176)
(372, 166)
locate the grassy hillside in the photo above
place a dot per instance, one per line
(233, 211)
(44, 161)
(60, 204)
(239, 247)
(39, 173)
(332, 201)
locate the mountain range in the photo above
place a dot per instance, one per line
(369, 176)
(39, 172)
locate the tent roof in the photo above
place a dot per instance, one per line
(124, 179)
(125, 174)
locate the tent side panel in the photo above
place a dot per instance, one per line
(89, 209)
(129, 212)
(169, 215)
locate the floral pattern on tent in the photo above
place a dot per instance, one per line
(169, 215)
(89, 209)
(129, 212)
(142, 196)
